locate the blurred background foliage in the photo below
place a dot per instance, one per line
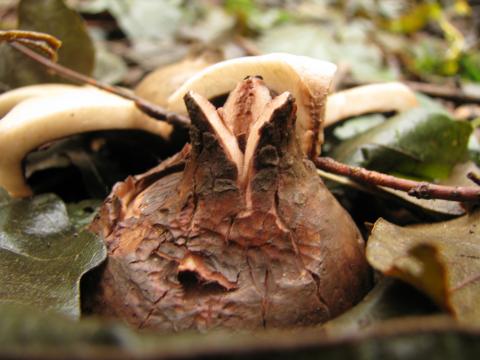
(430, 42)
(371, 40)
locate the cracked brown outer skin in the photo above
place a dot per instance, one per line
(278, 251)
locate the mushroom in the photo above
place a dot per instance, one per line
(384, 97)
(306, 78)
(35, 115)
(37, 121)
(236, 231)
(59, 110)
(11, 98)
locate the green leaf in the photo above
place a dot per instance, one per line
(357, 125)
(42, 254)
(416, 18)
(470, 65)
(348, 44)
(254, 17)
(142, 19)
(441, 259)
(55, 18)
(418, 143)
(81, 214)
(430, 56)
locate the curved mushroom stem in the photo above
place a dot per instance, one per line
(12, 98)
(37, 121)
(393, 96)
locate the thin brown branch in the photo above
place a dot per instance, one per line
(442, 91)
(247, 46)
(147, 107)
(421, 190)
(474, 178)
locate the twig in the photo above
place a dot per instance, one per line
(247, 46)
(440, 91)
(474, 177)
(446, 92)
(421, 190)
(147, 107)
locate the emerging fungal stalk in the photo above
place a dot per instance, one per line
(235, 231)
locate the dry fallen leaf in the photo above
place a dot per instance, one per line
(441, 259)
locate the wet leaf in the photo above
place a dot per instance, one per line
(357, 125)
(81, 214)
(43, 255)
(419, 143)
(52, 17)
(457, 176)
(442, 260)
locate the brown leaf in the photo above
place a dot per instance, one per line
(442, 260)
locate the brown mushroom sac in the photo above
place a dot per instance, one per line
(236, 231)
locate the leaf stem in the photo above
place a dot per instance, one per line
(420, 190)
(474, 177)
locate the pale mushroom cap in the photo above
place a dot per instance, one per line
(37, 121)
(306, 78)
